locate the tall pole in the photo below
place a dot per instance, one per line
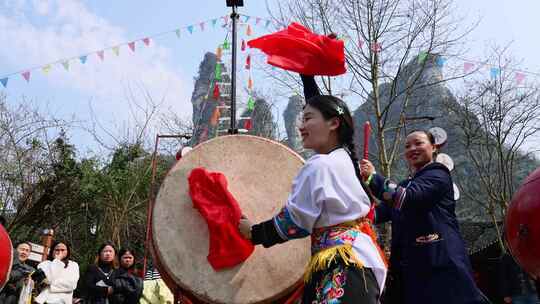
(234, 18)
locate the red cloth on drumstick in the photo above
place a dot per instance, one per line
(208, 191)
(299, 50)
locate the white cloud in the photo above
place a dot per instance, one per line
(71, 29)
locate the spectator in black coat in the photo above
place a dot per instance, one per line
(516, 285)
(127, 287)
(98, 280)
(19, 272)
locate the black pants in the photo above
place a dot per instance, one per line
(342, 284)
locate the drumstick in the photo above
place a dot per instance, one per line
(367, 133)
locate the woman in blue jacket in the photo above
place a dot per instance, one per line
(428, 257)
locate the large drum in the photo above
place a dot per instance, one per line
(522, 226)
(6, 256)
(260, 174)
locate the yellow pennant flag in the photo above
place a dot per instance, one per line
(116, 50)
(46, 69)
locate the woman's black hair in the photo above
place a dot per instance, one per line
(431, 139)
(50, 257)
(125, 250)
(23, 242)
(331, 107)
(100, 249)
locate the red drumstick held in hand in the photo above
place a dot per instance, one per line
(367, 133)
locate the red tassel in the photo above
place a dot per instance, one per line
(216, 91)
(247, 124)
(243, 47)
(248, 62)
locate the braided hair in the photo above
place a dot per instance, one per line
(330, 107)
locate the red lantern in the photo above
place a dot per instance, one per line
(523, 227)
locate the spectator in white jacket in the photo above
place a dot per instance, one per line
(58, 276)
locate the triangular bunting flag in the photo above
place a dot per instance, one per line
(215, 117)
(250, 103)
(204, 134)
(246, 18)
(494, 72)
(248, 62)
(132, 46)
(65, 64)
(190, 29)
(146, 41)
(177, 33)
(520, 77)
(26, 76)
(422, 57)
(216, 91)
(46, 69)
(249, 31)
(214, 21)
(217, 74)
(467, 67)
(116, 50)
(248, 124)
(243, 45)
(202, 26)
(226, 19)
(267, 23)
(4, 82)
(441, 61)
(250, 83)
(101, 55)
(83, 59)
(219, 52)
(360, 43)
(257, 20)
(376, 47)
(226, 45)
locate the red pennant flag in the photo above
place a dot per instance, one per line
(520, 77)
(249, 31)
(146, 41)
(360, 43)
(248, 62)
(467, 66)
(247, 124)
(243, 47)
(250, 83)
(101, 55)
(216, 91)
(376, 47)
(132, 46)
(202, 26)
(26, 76)
(226, 19)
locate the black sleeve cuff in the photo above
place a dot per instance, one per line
(265, 234)
(310, 86)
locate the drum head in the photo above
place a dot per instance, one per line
(260, 174)
(6, 256)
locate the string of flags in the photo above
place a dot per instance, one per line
(67, 63)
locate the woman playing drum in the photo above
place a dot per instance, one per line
(328, 202)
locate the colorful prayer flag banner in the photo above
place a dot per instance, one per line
(376, 47)
(131, 46)
(65, 64)
(46, 69)
(146, 41)
(116, 50)
(101, 55)
(83, 59)
(267, 23)
(190, 29)
(520, 77)
(467, 67)
(440, 61)
(214, 21)
(4, 81)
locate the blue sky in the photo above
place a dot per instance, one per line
(35, 32)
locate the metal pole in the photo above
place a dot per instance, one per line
(234, 18)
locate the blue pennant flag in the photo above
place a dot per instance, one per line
(247, 18)
(214, 21)
(495, 72)
(267, 23)
(83, 59)
(190, 29)
(4, 82)
(441, 61)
